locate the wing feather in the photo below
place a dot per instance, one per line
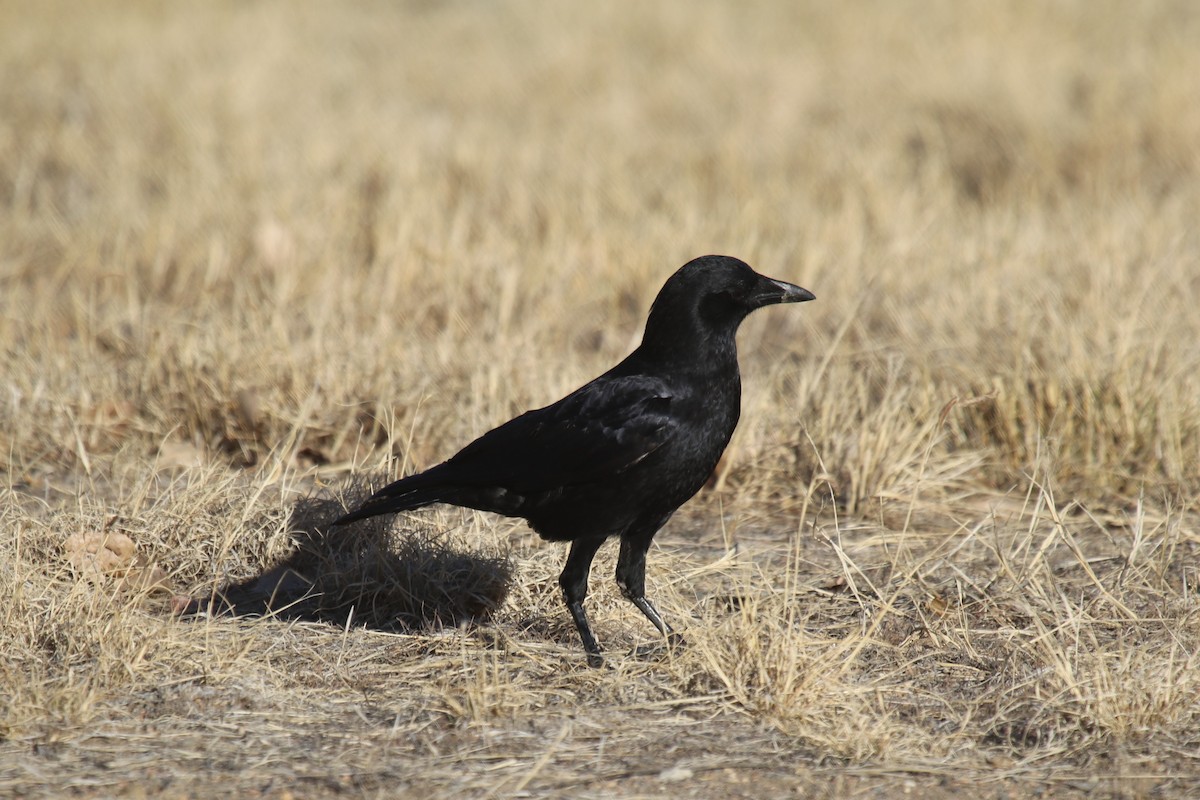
(599, 430)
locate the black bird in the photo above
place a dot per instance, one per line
(619, 455)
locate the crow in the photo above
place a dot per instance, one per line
(619, 455)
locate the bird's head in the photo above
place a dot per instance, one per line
(712, 295)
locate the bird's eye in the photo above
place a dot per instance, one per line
(720, 305)
(735, 295)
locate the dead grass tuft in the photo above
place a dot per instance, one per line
(367, 575)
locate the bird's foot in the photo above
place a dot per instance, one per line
(595, 660)
(672, 644)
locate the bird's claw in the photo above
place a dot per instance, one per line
(671, 644)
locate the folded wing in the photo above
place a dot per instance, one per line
(591, 435)
(597, 431)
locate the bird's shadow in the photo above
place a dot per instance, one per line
(365, 575)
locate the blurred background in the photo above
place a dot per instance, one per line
(246, 226)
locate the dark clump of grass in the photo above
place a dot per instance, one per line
(377, 574)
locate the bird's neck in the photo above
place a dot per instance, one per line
(696, 348)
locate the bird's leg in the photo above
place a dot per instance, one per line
(573, 581)
(631, 577)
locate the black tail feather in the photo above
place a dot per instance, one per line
(403, 495)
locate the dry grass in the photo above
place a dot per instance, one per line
(251, 252)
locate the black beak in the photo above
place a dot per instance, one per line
(773, 291)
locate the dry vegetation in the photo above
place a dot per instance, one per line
(251, 252)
